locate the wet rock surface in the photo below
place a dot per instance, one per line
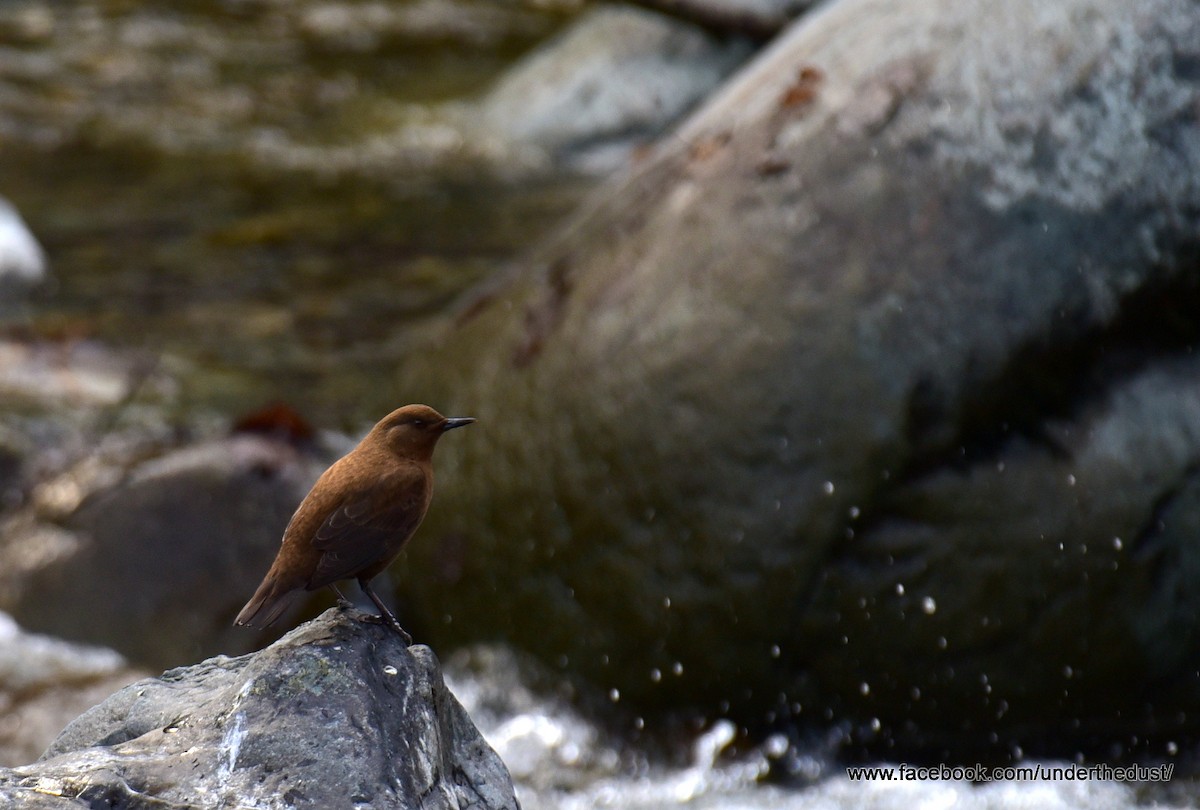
(878, 374)
(338, 713)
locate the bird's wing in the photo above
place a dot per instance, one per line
(367, 526)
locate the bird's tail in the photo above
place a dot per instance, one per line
(267, 604)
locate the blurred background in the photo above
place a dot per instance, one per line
(834, 369)
(267, 193)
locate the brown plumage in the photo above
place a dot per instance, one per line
(358, 515)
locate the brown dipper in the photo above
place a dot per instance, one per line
(358, 515)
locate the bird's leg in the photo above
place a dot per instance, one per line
(342, 601)
(385, 614)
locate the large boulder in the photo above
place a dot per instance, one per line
(870, 397)
(338, 713)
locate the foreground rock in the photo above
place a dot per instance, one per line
(336, 714)
(871, 398)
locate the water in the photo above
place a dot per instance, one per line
(256, 192)
(560, 761)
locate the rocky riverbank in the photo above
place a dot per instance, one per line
(336, 713)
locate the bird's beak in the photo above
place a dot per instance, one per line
(457, 422)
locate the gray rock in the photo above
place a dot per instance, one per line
(335, 714)
(45, 683)
(870, 398)
(162, 553)
(612, 81)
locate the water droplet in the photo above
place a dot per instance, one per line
(639, 723)
(614, 694)
(1070, 480)
(999, 466)
(656, 675)
(916, 693)
(1068, 671)
(876, 725)
(899, 589)
(1172, 748)
(776, 746)
(864, 688)
(667, 602)
(942, 643)
(1117, 544)
(677, 668)
(929, 605)
(855, 512)
(775, 651)
(390, 670)
(827, 487)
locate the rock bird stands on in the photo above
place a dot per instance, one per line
(358, 515)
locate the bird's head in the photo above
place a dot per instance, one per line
(412, 431)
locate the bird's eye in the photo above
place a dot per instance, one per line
(417, 423)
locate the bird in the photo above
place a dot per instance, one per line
(357, 516)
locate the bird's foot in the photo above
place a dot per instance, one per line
(391, 622)
(342, 602)
(395, 625)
